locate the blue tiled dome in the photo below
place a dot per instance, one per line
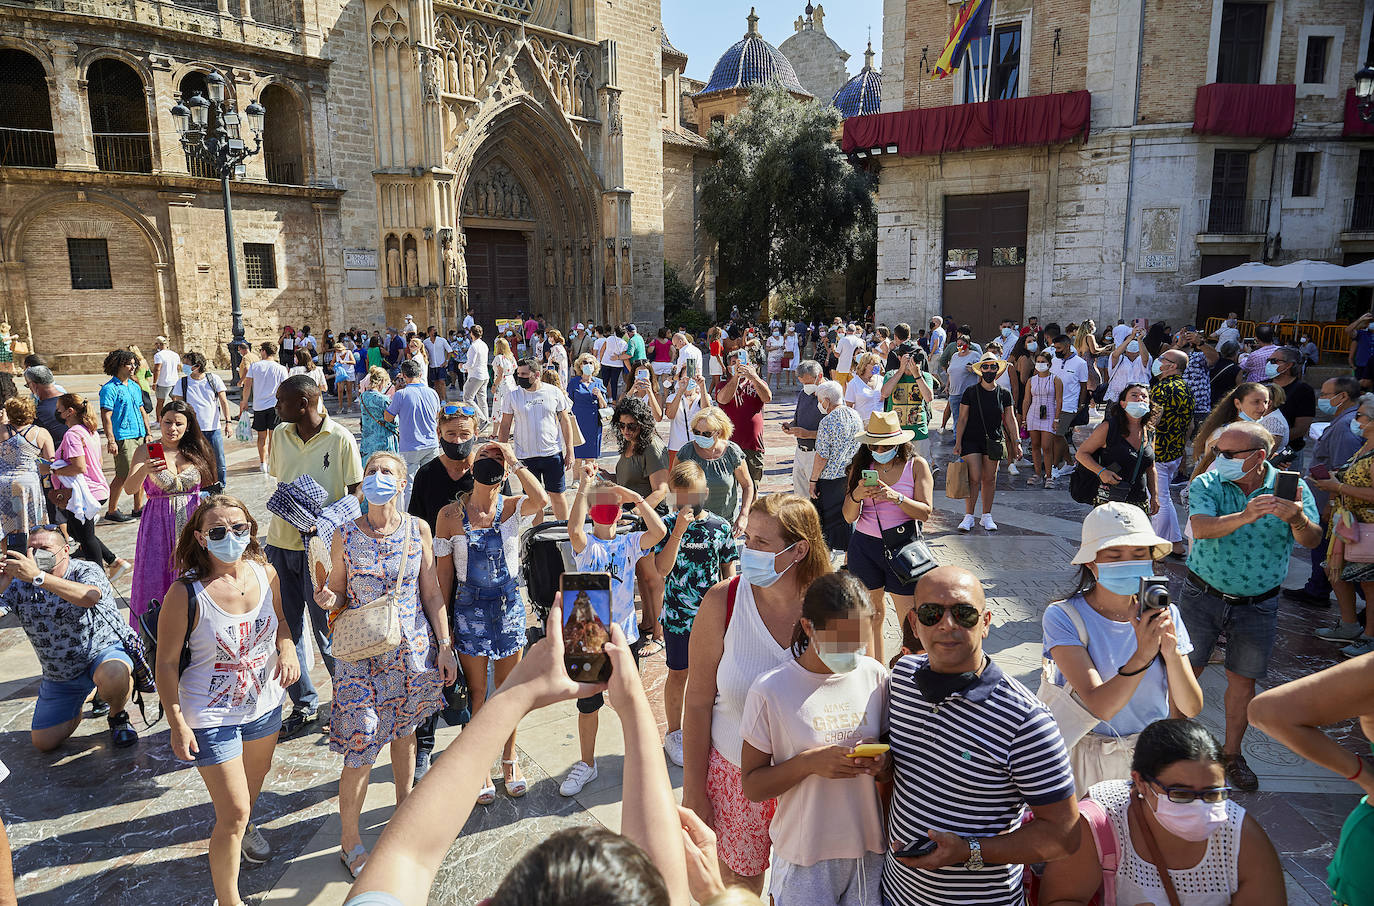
(862, 94)
(752, 61)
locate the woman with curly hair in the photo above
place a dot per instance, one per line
(643, 468)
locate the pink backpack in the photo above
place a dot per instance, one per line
(1105, 838)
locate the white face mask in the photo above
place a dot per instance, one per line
(809, 389)
(1194, 821)
(1042, 367)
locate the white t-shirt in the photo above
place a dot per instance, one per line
(468, 322)
(678, 434)
(614, 346)
(477, 359)
(937, 341)
(1228, 331)
(789, 710)
(171, 367)
(535, 425)
(1073, 373)
(689, 352)
(437, 350)
(845, 349)
(1119, 333)
(267, 375)
(864, 398)
(202, 396)
(789, 344)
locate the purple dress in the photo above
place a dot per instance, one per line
(171, 501)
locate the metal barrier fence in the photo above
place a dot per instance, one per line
(1329, 336)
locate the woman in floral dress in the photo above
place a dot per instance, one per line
(381, 700)
(23, 448)
(378, 433)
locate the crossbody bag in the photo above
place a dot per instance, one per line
(359, 633)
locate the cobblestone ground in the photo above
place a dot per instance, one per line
(93, 825)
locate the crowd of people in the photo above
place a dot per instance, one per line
(813, 755)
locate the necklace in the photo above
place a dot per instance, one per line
(383, 530)
(229, 577)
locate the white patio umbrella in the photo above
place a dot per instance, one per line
(1240, 275)
(1361, 274)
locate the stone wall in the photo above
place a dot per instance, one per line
(817, 59)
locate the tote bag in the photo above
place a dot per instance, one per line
(1075, 721)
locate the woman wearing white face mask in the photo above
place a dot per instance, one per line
(1124, 660)
(381, 700)
(1039, 413)
(225, 713)
(1120, 451)
(1179, 836)
(742, 630)
(1128, 364)
(865, 389)
(588, 395)
(684, 403)
(775, 348)
(827, 834)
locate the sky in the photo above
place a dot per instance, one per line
(703, 29)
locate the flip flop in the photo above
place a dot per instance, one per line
(349, 857)
(651, 648)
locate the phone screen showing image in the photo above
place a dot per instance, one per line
(586, 626)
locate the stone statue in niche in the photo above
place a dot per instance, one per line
(451, 81)
(610, 263)
(494, 191)
(627, 303)
(481, 72)
(460, 268)
(412, 268)
(466, 86)
(626, 275)
(586, 262)
(429, 74)
(569, 266)
(550, 275)
(393, 267)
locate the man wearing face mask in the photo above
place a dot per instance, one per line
(962, 727)
(443, 479)
(1284, 369)
(1072, 371)
(1243, 536)
(1255, 363)
(307, 442)
(1171, 399)
(67, 609)
(537, 415)
(806, 421)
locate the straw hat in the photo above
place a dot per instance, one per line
(990, 358)
(885, 428)
(1118, 525)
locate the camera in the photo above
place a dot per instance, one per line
(1154, 593)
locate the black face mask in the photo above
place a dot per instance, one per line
(525, 382)
(459, 450)
(936, 687)
(488, 471)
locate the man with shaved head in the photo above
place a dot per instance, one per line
(1172, 403)
(963, 731)
(1243, 536)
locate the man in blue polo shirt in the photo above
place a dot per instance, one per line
(1242, 540)
(415, 410)
(963, 731)
(121, 414)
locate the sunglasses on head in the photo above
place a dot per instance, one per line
(460, 409)
(966, 615)
(218, 532)
(1184, 795)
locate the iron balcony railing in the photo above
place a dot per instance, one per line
(1235, 216)
(1359, 214)
(27, 148)
(284, 172)
(124, 152)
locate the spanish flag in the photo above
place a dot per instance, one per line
(970, 25)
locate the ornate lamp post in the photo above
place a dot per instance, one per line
(209, 131)
(1364, 92)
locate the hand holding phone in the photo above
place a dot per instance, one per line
(917, 849)
(870, 478)
(1286, 485)
(155, 452)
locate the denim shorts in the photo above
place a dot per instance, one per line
(216, 745)
(1249, 628)
(62, 700)
(549, 470)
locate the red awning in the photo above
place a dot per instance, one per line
(1353, 124)
(1247, 111)
(1040, 120)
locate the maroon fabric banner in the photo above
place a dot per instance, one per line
(1353, 124)
(1247, 111)
(1040, 120)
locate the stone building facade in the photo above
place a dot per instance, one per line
(819, 62)
(687, 247)
(1217, 133)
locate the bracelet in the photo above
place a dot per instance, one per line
(1122, 671)
(445, 641)
(1359, 770)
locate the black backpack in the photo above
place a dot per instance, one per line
(147, 621)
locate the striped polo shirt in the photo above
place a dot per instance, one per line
(968, 766)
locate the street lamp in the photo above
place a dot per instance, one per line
(1364, 92)
(209, 132)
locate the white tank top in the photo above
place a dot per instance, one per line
(1127, 371)
(750, 651)
(233, 658)
(1211, 882)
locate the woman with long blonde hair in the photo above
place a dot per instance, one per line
(503, 372)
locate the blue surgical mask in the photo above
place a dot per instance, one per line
(1137, 409)
(1133, 346)
(379, 488)
(1123, 576)
(703, 441)
(186, 370)
(1155, 366)
(1271, 370)
(1246, 417)
(883, 456)
(1356, 428)
(1229, 469)
(759, 568)
(1032, 347)
(587, 369)
(1325, 406)
(837, 660)
(229, 548)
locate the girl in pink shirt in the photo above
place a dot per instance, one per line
(80, 449)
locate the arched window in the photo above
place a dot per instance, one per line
(25, 114)
(282, 137)
(119, 117)
(194, 83)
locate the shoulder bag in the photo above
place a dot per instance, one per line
(1074, 719)
(1153, 847)
(1086, 487)
(906, 551)
(358, 633)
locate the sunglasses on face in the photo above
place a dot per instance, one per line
(218, 532)
(628, 426)
(965, 615)
(1237, 454)
(1184, 795)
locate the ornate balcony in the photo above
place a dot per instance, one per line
(1020, 122)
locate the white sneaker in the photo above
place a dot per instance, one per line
(1063, 470)
(580, 775)
(988, 524)
(1013, 470)
(967, 524)
(672, 744)
(262, 467)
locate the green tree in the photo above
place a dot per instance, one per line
(782, 200)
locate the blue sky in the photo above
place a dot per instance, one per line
(703, 29)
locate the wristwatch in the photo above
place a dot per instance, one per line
(975, 854)
(37, 581)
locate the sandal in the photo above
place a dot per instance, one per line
(487, 795)
(350, 856)
(651, 648)
(518, 787)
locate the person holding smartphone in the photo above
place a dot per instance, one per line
(742, 398)
(1126, 664)
(1352, 498)
(606, 551)
(801, 725)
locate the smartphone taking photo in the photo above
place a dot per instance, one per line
(586, 626)
(1286, 485)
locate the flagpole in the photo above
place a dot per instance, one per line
(992, 48)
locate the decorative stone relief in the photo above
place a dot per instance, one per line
(387, 27)
(1159, 240)
(470, 49)
(494, 191)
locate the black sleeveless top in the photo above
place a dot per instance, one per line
(1118, 455)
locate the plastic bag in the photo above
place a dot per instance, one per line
(243, 431)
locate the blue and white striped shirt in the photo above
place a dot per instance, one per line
(970, 766)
